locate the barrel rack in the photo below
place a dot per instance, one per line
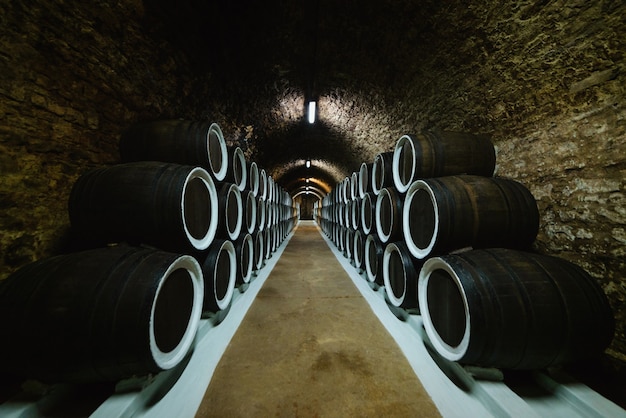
(172, 393)
(456, 391)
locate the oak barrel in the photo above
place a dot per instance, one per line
(177, 141)
(512, 309)
(450, 213)
(170, 206)
(100, 315)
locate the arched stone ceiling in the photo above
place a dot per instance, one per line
(269, 58)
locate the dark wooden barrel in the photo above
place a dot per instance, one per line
(359, 247)
(177, 141)
(237, 172)
(512, 309)
(382, 172)
(355, 214)
(389, 215)
(400, 275)
(274, 237)
(267, 235)
(373, 253)
(260, 214)
(344, 190)
(249, 206)
(169, 206)
(219, 269)
(441, 153)
(368, 205)
(262, 193)
(270, 189)
(449, 213)
(354, 185)
(365, 179)
(339, 213)
(269, 214)
(347, 214)
(244, 250)
(348, 247)
(334, 233)
(259, 249)
(100, 315)
(231, 212)
(253, 178)
(341, 238)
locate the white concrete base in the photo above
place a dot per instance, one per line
(455, 392)
(173, 393)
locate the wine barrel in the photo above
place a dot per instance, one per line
(348, 243)
(169, 206)
(513, 309)
(373, 253)
(367, 213)
(259, 249)
(177, 141)
(400, 276)
(100, 315)
(269, 214)
(365, 179)
(237, 172)
(260, 214)
(253, 178)
(267, 244)
(345, 189)
(347, 213)
(270, 189)
(389, 215)
(355, 214)
(334, 234)
(341, 209)
(359, 247)
(244, 250)
(449, 213)
(262, 184)
(230, 210)
(249, 206)
(341, 238)
(382, 174)
(219, 269)
(441, 153)
(354, 185)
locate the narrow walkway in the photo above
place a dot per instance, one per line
(311, 346)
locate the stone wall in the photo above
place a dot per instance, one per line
(74, 75)
(547, 80)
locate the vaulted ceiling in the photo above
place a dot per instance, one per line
(268, 58)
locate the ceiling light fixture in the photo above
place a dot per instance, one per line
(311, 112)
(308, 163)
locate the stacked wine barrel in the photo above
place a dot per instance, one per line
(164, 238)
(431, 224)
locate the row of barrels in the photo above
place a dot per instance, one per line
(430, 223)
(164, 238)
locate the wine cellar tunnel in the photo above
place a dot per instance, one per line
(544, 80)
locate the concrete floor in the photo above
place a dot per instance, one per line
(311, 346)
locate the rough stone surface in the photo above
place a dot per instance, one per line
(544, 78)
(73, 76)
